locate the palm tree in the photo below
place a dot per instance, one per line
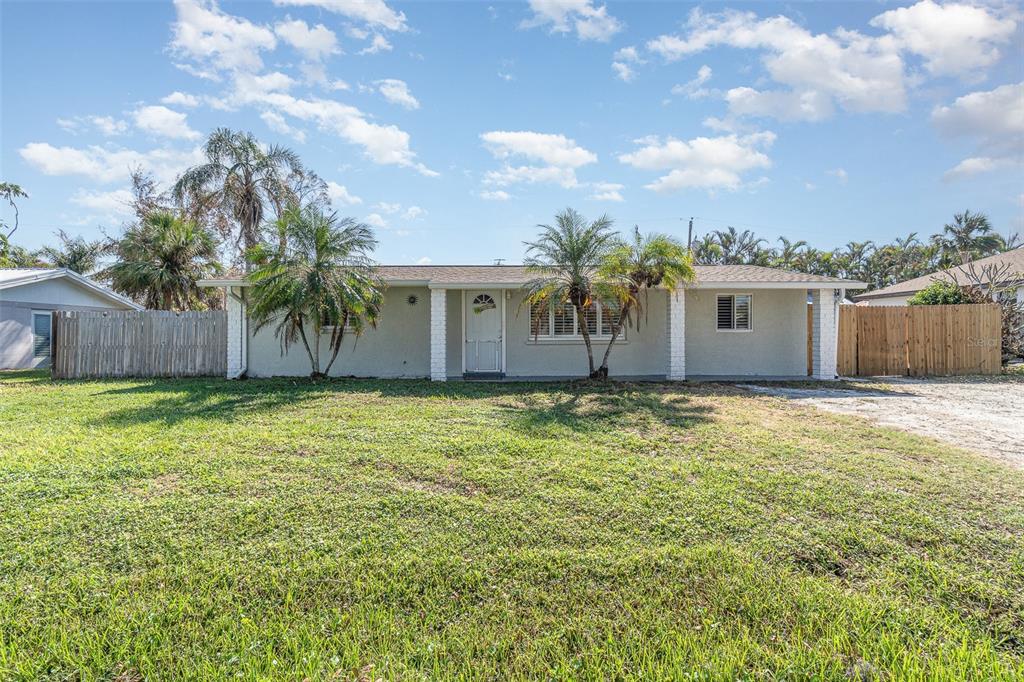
(242, 178)
(159, 261)
(74, 253)
(565, 259)
(787, 255)
(738, 247)
(706, 250)
(970, 236)
(631, 269)
(319, 275)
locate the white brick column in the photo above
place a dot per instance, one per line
(438, 335)
(824, 334)
(238, 332)
(677, 335)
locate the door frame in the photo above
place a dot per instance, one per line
(501, 329)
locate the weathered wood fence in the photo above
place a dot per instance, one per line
(919, 340)
(138, 344)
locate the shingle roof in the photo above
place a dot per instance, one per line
(1014, 258)
(515, 275)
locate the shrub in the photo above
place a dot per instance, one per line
(939, 293)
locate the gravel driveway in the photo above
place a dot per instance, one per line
(983, 415)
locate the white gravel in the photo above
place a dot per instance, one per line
(976, 414)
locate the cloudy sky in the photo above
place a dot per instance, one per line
(455, 127)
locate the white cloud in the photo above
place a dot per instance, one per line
(383, 144)
(373, 12)
(105, 125)
(561, 156)
(390, 209)
(414, 213)
(556, 150)
(340, 196)
(977, 165)
(953, 38)
(221, 41)
(181, 99)
(425, 260)
(695, 89)
(624, 72)
(607, 191)
(495, 195)
(704, 162)
(164, 122)
(378, 44)
(564, 16)
(106, 165)
(860, 72)
(628, 54)
(278, 124)
(839, 174)
(375, 220)
(397, 92)
(785, 105)
(314, 43)
(114, 203)
(994, 119)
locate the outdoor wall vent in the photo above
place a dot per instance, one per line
(412, 300)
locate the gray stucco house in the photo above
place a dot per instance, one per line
(28, 297)
(454, 321)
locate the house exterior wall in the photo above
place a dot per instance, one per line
(644, 353)
(398, 347)
(776, 346)
(16, 306)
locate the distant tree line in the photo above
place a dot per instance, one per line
(967, 238)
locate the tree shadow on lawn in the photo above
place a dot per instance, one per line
(579, 406)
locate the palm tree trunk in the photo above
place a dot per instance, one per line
(581, 321)
(334, 351)
(313, 361)
(616, 330)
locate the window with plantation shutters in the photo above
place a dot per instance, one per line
(560, 321)
(41, 335)
(734, 312)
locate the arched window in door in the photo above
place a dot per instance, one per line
(483, 302)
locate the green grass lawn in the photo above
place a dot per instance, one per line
(406, 530)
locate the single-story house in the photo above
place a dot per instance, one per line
(465, 321)
(900, 293)
(28, 297)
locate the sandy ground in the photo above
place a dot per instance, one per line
(975, 414)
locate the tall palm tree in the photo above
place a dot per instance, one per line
(632, 268)
(706, 250)
(74, 253)
(970, 236)
(738, 247)
(787, 255)
(320, 275)
(159, 261)
(242, 178)
(565, 259)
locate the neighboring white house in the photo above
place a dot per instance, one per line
(447, 322)
(899, 294)
(28, 297)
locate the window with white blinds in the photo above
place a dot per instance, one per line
(734, 312)
(560, 321)
(41, 334)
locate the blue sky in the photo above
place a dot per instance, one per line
(455, 127)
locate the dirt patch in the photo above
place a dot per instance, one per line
(983, 416)
(157, 486)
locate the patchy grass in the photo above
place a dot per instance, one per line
(359, 529)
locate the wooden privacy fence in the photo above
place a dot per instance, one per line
(150, 343)
(919, 340)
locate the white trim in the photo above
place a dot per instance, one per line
(48, 314)
(501, 329)
(575, 336)
(501, 340)
(32, 277)
(462, 332)
(701, 284)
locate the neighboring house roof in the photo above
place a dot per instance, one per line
(910, 287)
(16, 277)
(463, 276)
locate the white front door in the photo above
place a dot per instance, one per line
(483, 331)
